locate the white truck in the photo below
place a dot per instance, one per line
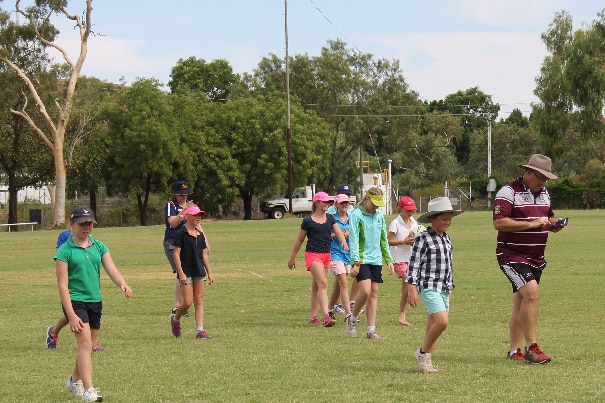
(302, 203)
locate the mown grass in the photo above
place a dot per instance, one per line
(262, 348)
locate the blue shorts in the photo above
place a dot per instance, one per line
(370, 272)
(190, 280)
(88, 312)
(435, 301)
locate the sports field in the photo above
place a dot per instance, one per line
(262, 348)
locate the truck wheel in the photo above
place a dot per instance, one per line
(278, 213)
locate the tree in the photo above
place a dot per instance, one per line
(53, 130)
(474, 108)
(212, 79)
(571, 85)
(139, 128)
(243, 148)
(365, 101)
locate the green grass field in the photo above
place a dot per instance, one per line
(262, 348)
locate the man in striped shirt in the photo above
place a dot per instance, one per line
(523, 218)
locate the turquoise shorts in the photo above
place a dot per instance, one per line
(435, 301)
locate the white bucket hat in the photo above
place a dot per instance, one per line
(436, 206)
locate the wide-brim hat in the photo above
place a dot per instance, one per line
(437, 206)
(542, 164)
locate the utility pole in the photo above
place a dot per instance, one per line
(288, 127)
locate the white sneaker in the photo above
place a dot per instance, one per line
(425, 363)
(91, 395)
(351, 326)
(77, 388)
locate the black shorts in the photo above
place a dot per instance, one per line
(370, 272)
(88, 312)
(520, 274)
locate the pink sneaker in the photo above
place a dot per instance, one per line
(202, 334)
(176, 326)
(328, 321)
(516, 356)
(314, 321)
(533, 355)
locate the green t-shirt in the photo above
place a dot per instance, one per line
(83, 269)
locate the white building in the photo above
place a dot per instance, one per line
(40, 194)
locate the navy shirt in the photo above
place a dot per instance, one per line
(318, 235)
(191, 252)
(172, 208)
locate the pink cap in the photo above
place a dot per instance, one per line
(407, 203)
(322, 196)
(341, 198)
(194, 210)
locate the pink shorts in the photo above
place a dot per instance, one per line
(401, 269)
(311, 257)
(339, 267)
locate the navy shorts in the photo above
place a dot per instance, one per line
(370, 272)
(520, 274)
(88, 312)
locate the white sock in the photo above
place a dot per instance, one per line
(200, 328)
(371, 329)
(354, 318)
(174, 317)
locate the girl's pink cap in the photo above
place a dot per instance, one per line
(194, 210)
(322, 196)
(341, 198)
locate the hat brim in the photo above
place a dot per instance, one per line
(83, 219)
(549, 175)
(376, 200)
(425, 218)
(185, 191)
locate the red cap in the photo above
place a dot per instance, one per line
(407, 203)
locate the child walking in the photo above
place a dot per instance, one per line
(400, 244)
(78, 266)
(193, 269)
(52, 332)
(340, 261)
(317, 228)
(430, 274)
(369, 246)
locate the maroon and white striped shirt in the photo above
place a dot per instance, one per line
(516, 201)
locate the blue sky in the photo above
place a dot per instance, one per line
(443, 45)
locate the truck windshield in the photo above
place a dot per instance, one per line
(299, 193)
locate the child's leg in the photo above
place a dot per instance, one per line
(363, 292)
(335, 293)
(320, 287)
(371, 303)
(343, 289)
(83, 367)
(436, 323)
(403, 304)
(178, 297)
(61, 323)
(198, 300)
(354, 290)
(187, 299)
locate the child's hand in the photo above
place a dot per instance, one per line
(412, 295)
(292, 264)
(127, 290)
(391, 268)
(210, 278)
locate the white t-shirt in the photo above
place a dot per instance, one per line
(401, 253)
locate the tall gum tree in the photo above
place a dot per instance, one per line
(54, 127)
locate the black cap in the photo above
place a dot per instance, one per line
(181, 188)
(344, 190)
(82, 214)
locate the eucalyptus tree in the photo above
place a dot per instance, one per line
(39, 34)
(571, 86)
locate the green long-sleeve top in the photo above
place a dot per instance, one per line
(368, 242)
